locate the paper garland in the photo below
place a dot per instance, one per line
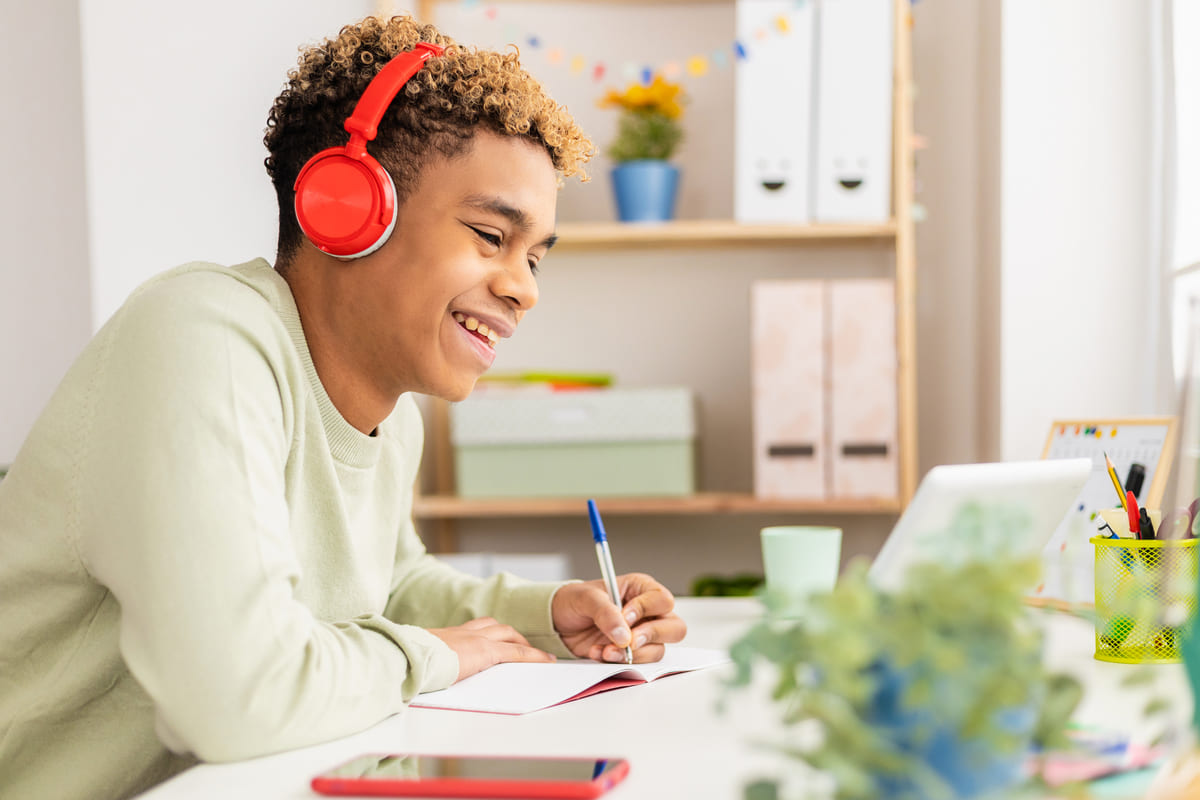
(697, 65)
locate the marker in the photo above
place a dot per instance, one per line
(1116, 482)
(1135, 479)
(604, 556)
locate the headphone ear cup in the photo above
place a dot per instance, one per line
(346, 205)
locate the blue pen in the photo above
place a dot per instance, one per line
(604, 556)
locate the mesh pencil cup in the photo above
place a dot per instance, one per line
(1145, 598)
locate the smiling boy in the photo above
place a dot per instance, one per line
(208, 548)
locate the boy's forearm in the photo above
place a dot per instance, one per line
(433, 594)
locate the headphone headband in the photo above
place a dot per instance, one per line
(364, 121)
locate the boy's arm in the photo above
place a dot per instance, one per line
(432, 594)
(182, 515)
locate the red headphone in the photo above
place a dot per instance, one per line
(346, 200)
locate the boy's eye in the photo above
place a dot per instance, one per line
(533, 267)
(490, 238)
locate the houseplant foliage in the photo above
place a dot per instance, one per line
(650, 125)
(934, 690)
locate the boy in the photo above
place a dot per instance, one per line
(208, 550)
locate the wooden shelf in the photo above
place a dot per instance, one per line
(451, 507)
(690, 232)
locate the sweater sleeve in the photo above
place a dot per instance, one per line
(181, 512)
(432, 594)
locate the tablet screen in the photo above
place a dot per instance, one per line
(394, 766)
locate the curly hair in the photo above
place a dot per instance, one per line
(437, 112)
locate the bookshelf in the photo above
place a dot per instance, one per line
(896, 235)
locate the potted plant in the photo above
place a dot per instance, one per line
(935, 690)
(648, 134)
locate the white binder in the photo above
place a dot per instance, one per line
(774, 112)
(853, 162)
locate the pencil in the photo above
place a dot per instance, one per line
(1112, 473)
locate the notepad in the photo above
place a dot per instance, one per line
(519, 688)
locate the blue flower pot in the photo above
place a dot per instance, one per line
(969, 768)
(645, 190)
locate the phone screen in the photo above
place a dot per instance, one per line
(393, 767)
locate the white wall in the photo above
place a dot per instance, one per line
(1075, 215)
(44, 285)
(176, 101)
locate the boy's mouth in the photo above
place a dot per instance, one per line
(476, 327)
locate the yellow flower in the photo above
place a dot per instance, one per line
(649, 125)
(661, 96)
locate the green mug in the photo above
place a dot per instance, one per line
(799, 561)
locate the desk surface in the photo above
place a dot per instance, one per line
(678, 743)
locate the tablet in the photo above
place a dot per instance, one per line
(412, 775)
(1033, 496)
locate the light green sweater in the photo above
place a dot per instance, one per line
(201, 559)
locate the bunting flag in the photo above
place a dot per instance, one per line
(695, 65)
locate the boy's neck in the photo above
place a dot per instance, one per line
(353, 394)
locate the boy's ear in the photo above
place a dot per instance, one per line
(345, 206)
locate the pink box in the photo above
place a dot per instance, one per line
(787, 345)
(862, 364)
(824, 389)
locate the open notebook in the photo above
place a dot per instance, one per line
(522, 688)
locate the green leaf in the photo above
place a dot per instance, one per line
(645, 134)
(761, 790)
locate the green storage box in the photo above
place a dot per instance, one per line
(602, 442)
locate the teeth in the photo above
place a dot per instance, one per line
(472, 324)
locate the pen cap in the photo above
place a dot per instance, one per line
(597, 525)
(1135, 479)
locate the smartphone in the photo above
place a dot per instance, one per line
(401, 775)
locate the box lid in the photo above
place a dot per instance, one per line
(615, 415)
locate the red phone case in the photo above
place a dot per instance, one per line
(473, 787)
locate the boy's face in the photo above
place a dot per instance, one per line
(460, 260)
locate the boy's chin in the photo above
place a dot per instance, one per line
(457, 393)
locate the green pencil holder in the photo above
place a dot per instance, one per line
(1132, 577)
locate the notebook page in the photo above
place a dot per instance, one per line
(518, 688)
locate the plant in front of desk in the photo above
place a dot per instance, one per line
(937, 689)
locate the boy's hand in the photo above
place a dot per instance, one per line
(592, 627)
(484, 642)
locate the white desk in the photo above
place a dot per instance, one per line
(677, 742)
